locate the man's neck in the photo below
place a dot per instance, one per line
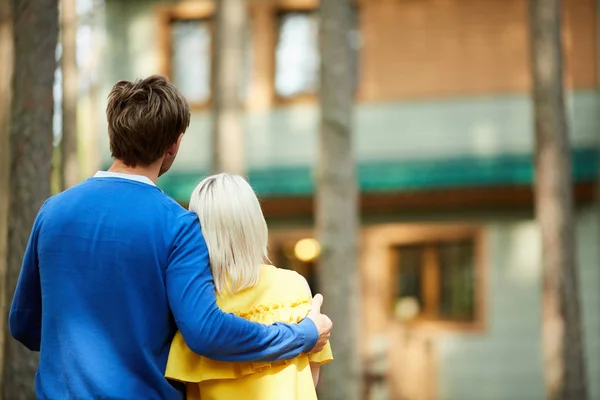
(149, 171)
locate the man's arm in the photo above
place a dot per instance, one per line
(315, 368)
(208, 330)
(25, 318)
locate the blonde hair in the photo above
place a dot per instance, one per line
(234, 229)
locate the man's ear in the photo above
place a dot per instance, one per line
(172, 151)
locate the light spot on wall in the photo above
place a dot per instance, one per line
(485, 139)
(523, 260)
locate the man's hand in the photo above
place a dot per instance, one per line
(322, 322)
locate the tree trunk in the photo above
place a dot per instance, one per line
(6, 67)
(337, 201)
(68, 145)
(228, 148)
(565, 369)
(35, 29)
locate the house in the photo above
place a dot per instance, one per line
(450, 251)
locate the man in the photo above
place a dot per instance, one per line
(114, 267)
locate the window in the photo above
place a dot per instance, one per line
(297, 58)
(436, 281)
(297, 54)
(188, 43)
(191, 58)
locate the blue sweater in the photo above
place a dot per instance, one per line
(112, 269)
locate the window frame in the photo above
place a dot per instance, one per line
(429, 236)
(262, 94)
(282, 9)
(289, 6)
(190, 11)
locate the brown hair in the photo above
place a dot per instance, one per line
(145, 118)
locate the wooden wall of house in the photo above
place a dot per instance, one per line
(499, 354)
(445, 48)
(502, 357)
(506, 362)
(427, 49)
(438, 78)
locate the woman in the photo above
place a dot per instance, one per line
(236, 235)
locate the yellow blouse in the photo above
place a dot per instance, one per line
(280, 296)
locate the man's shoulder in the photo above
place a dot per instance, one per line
(170, 204)
(138, 197)
(182, 218)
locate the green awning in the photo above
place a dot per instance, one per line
(406, 175)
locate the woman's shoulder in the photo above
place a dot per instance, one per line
(280, 296)
(276, 286)
(280, 273)
(287, 280)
